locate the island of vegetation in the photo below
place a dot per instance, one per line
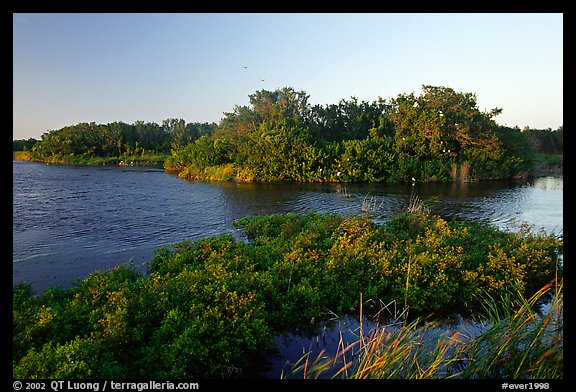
(210, 308)
(440, 135)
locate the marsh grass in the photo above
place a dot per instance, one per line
(515, 342)
(518, 341)
(21, 156)
(417, 205)
(394, 351)
(370, 205)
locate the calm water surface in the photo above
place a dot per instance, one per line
(69, 221)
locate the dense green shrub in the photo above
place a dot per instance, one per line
(282, 137)
(206, 308)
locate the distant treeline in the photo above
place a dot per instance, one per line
(115, 139)
(440, 135)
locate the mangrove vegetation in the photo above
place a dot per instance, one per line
(210, 308)
(439, 135)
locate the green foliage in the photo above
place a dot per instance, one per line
(280, 136)
(440, 135)
(279, 154)
(192, 323)
(208, 306)
(545, 141)
(203, 153)
(91, 143)
(23, 144)
(349, 120)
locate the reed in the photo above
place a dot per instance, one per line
(516, 343)
(416, 205)
(393, 351)
(407, 284)
(22, 156)
(370, 206)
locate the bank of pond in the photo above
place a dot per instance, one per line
(211, 308)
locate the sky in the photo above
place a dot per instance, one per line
(95, 67)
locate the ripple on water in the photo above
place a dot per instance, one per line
(68, 217)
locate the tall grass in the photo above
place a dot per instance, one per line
(515, 342)
(370, 206)
(21, 156)
(518, 342)
(391, 352)
(416, 205)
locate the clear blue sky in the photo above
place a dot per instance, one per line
(71, 68)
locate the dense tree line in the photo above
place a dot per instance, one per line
(545, 140)
(115, 139)
(23, 144)
(439, 135)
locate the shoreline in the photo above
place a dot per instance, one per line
(541, 169)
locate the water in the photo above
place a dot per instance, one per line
(330, 338)
(69, 221)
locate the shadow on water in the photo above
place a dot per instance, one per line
(506, 204)
(329, 339)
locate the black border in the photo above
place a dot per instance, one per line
(383, 7)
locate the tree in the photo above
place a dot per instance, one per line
(284, 104)
(23, 145)
(151, 136)
(444, 123)
(349, 119)
(176, 129)
(240, 122)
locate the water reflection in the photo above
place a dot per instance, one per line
(506, 204)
